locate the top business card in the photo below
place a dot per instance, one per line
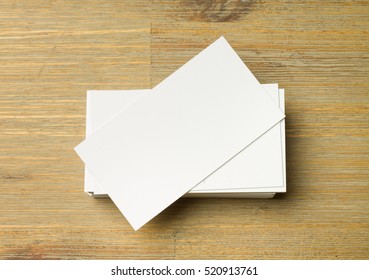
(167, 142)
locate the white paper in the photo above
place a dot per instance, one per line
(160, 147)
(258, 166)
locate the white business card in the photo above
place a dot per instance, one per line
(247, 170)
(161, 146)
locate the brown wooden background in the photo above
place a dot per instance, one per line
(51, 52)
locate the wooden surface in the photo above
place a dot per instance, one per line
(51, 52)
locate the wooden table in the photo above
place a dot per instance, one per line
(51, 52)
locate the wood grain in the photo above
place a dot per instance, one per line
(51, 52)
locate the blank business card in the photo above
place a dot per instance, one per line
(246, 170)
(167, 142)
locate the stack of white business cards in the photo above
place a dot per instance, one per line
(208, 130)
